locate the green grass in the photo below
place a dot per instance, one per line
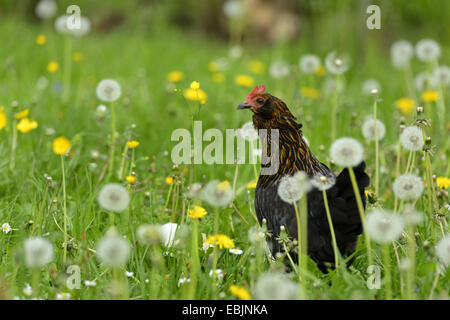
(140, 62)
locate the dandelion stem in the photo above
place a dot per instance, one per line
(334, 109)
(41, 208)
(377, 159)
(122, 164)
(361, 212)
(195, 260)
(12, 163)
(333, 235)
(65, 209)
(387, 271)
(412, 258)
(113, 139)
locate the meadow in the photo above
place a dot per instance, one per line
(55, 225)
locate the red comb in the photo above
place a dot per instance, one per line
(258, 89)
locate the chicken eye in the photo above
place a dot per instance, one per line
(260, 100)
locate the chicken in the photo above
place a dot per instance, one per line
(294, 155)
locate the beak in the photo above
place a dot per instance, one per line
(244, 105)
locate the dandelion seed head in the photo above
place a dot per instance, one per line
(368, 129)
(346, 152)
(401, 53)
(371, 87)
(337, 63)
(279, 69)
(428, 50)
(408, 187)
(440, 76)
(309, 63)
(108, 90)
(149, 234)
(384, 226)
(217, 193)
(443, 250)
(275, 286)
(412, 138)
(322, 182)
(113, 250)
(38, 252)
(233, 9)
(114, 197)
(411, 216)
(248, 132)
(46, 9)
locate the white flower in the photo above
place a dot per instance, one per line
(90, 283)
(100, 112)
(408, 187)
(248, 131)
(330, 85)
(279, 69)
(443, 250)
(218, 273)
(274, 286)
(404, 265)
(383, 226)
(28, 291)
(113, 250)
(6, 228)
(63, 296)
(412, 138)
(42, 83)
(114, 197)
(411, 216)
(428, 50)
(322, 182)
(46, 9)
(309, 63)
(217, 193)
(129, 274)
(401, 53)
(167, 232)
(255, 235)
(183, 280)
(84, 27)
(61, 24)
(65, 24)
(292, 188)
(422, 80)
(337, 63)
(346, 152)
(235, 251)
(149, 234)
(38, 252)
(194, 190)
(108, 90)
(441, 76)
(233, 9)
(368, 129)
(235, 52)
(369, 85)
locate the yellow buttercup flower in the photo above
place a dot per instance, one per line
(169, 180)
(22, 114)
(77, 56)
(130, 179)
(2, 120)
(218, 77)
(53, 66)
(61, 145)
(221, 240)
(26, 125)
(195, 85)
(132, 144)
(430, 96)
(320, 71)
(197, 212)
(310, 92)
(195, 94)
(443, 182)
(251, 185)
(175, 76)
(240, 292)
(256, 67)
(41, 39)
(405, 105)
(244, 80)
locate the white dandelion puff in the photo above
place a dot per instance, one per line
(149, 234)
(275, 286)
(368, 129)
(401, 53)
(217, 193)
(84, 27)
(440, 76)
(61, 24)
(408, 187)
(235, 52)
(337, 63)
(167, 232)
(38, 252)
(233, 9)
(443, 250)
(113, 250)
(346, 152)
(46, 9)
(194, 190)
(411, 216)
(292, 188)
(108, 90)
(279, 69)
(309, 63)
(412, 138)
(428, 50)
(114, 197)
(422, 81)
(370, 85)
(248, 131)
(322, 182)
(255, 235)
(100, 112)
(384, 226)
(330, 85)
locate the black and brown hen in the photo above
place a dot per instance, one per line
(294, 155)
